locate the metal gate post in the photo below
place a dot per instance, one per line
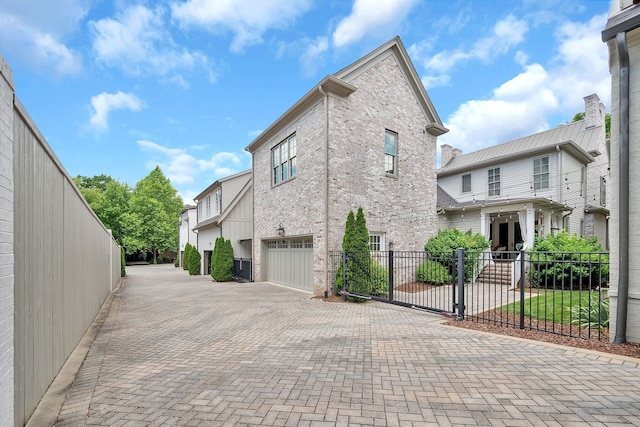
(460, 284)
(390, 275)
(522, 254)
(344, 276)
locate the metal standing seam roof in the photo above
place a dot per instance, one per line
(587, 139)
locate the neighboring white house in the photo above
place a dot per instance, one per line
(188, 219)
(225, 209)
(622, 35)
(535, 185)
(365, 136)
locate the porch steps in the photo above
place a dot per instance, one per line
(497, 273)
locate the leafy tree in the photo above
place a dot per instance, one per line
(150, 224)
(98, 182)
(109, 199)
(222, 260)
(123, 271)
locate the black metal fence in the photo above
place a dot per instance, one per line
(242, 269)
(560, 293)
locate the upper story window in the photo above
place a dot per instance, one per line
(466, 183)
(583, 181)
(218, 198)
(603, 191)
(390, 152)
(494, 182)
(283, 160)
(199, 210)
(207, 201)
(541, 173)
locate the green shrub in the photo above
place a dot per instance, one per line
(443, 248)
(194, 262)
(222, 260)
(594, 314)
(565, 260)
(433, 272)
(185, 256)
(123, 263)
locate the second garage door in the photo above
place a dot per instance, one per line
(290, 262)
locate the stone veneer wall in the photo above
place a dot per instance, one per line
(6, 245)
(633, 316)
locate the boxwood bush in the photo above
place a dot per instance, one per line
(568, 261)
(433, 272)
(443, 249)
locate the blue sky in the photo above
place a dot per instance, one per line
(118, 87)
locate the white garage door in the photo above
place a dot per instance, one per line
(290, 262)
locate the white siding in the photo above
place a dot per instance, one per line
(572, 192)
(516, 181)
(238, 226)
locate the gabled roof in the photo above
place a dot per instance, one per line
(222, 216)
(340, 85)
(573, 137)
(220, 181)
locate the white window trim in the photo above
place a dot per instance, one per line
(499, 182)
(542, 174)
(382, 242)
(470, 183)
(218, 201)
(394, 155)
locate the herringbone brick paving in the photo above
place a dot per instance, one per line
(180, 350)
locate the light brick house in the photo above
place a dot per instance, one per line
(364, 136)
(535, 185)
(224, 209)
(622, 35)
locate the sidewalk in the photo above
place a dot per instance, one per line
(180, 350)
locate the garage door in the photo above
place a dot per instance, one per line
(290, 262)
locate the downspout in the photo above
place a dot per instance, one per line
(623, 215)
(326, 191)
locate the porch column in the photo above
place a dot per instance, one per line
(531, 228)
(547, 223)
(484, 225)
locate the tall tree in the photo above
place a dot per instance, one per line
(151, 223)
(108, 198)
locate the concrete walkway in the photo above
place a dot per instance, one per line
(180, 350)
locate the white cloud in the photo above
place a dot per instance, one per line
(105, 102)
(248, 20)
(370, 17)
(183, 168)
(137, 42)
(523, 105)
(36, 33)
(312, 56)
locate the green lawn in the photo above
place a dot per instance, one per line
(551, 305)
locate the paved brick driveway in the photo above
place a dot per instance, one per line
(180, 350)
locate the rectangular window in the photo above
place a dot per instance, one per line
(283, 158)
(376, 242)
(466, 183)
(494, 182)
(541, 173)
(218, 195)
(390, 152)
(603, 191)
(208, 205)
(583, 173)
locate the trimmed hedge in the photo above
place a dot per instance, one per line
(222, 260)
(433, 272)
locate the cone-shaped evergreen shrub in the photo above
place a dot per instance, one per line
(194, 261)
(222, 260)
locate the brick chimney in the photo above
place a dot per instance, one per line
(593, 111)
(446, 154)
(456, 152)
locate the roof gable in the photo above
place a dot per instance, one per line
(339, 84)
